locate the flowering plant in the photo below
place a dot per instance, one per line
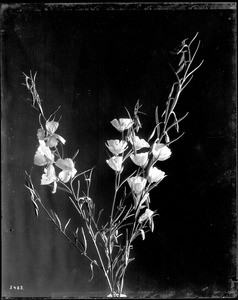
(131, 214)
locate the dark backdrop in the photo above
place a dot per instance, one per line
(93, 61)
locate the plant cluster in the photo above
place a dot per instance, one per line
(131, 214)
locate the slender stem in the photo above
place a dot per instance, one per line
(110, 233)
(67, 188)
(75, 206)
(100, 258)
(65, 235)
(181, 84)
(115, 195)
(121, 218)
(92, 234)
(57, 152)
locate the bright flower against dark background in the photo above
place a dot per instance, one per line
(132, 213)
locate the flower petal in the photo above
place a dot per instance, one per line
(115, 123)
(51, 126)
(49, 175)
(115, 163)
(126, 123)
(138, 143)
(137, 184)
(140, 159)
(146, 215)
(40, 159)
(52, 142)
(73, 172)
(116, 146)
(155, 175)
(122, 124)
(161, 151)
(45, 151)
(64, 176)
(40, 134)
(63, 164)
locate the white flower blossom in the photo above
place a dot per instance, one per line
(115, 163)
(155, 175)
(147, 215)
(137, 184)
(50, 136)
(145, 199)
(161, 151)
(67, 165)
(49, 177)
(122, 124)
(140, 159)
(116, 146)
(138, 143)
(43, 155)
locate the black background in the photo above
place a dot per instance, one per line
(93, 61)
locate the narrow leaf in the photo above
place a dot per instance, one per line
(85, 241)
(36, 208)
(78, 189)
(153, 132)
(51, 116)
(92, 271)
(193, 39)
(157, 121)
(127, 112)
(131, 259)
(167, 139)
(142, 234)
(189, 74)
(187, 82)
(52, 214)
(66, 225)
(176, 139)
(59, 223)
(182, 59)
(152, 225)
(75, 155)
(33, 199)
(180, 68)
(77, 240)
(118, 271)
(175, 123)
(99, 214)
(176, 120)
(172, 90)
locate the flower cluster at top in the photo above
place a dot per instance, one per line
(144, 156)
(46, 153)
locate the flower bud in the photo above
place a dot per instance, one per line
(147, 215)
(51, 126)
(40, 134)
